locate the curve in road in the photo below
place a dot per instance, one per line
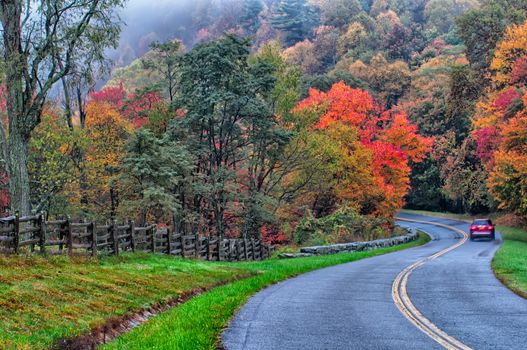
(351, 306)
(405, 305)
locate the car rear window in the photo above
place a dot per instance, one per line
(481, 222)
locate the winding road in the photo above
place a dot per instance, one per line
(442, 295)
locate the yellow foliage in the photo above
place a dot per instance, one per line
(106, 131)
(513, 46)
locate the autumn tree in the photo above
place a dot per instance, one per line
(500, 122)
(507, 180)
(353, 41)
(481, 29)
(372, 148)
(107, 131)
(388, 80)
(303, 54)
(51, 164)
(40, 43)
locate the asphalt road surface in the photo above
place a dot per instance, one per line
(404, 300)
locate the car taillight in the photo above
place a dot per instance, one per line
(473, 227)
(489, 227)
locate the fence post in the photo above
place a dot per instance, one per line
(93, 232)
(179, 236)
(260, 243)
(220, 245)
(153, 232)
(132, 234)
(114, 236)
(169, 241)
(245, 249)
(42, 233)
(16, 233)
(69, 236)
(196, 245)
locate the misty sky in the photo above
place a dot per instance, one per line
(160, 20)
(151, 20)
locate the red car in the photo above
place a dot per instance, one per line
(482, 228)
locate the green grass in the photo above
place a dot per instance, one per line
(198, 323)
(45, 299)
(446, 215)
(510, 262)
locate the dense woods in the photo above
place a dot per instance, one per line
(267, 118)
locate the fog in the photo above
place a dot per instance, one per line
(159, 20)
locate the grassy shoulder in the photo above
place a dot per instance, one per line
(197, 324)
(43, 299)
(510, 262)
(446, 215)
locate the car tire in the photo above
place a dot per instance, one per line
(471, 237)
(493, 237)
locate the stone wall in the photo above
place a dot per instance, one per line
(354, 246)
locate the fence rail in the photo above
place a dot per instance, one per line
(34, 234)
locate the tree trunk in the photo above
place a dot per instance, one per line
(18, 172)
(16, 145)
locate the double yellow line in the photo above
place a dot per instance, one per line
(405, 305)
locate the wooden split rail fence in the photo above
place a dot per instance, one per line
(34, 234)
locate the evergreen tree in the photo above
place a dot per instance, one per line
(164, 60)
(250, 20)
(295, 18)
(152, 172)
(229, 126)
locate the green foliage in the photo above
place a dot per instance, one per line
(425, 192)
(286, 91)
(230, 127)
(295, 18)
(164, 60)
(51, 166)
(463, 93)
(250, 19)
(342, 226)
(151, 172)
(135, 75)
(324, 82)
(464, 177)
(338, 13)
(62, 35)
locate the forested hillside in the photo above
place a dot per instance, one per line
(299, 120)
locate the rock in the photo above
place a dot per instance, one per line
(294, 255)
(353, 246)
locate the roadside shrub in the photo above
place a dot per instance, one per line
(343, 225)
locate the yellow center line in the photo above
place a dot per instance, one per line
(408, 309)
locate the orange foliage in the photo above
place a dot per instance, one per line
(385, 142)
(500, 122)
(509, 50)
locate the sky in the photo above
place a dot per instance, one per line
(151, 20)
